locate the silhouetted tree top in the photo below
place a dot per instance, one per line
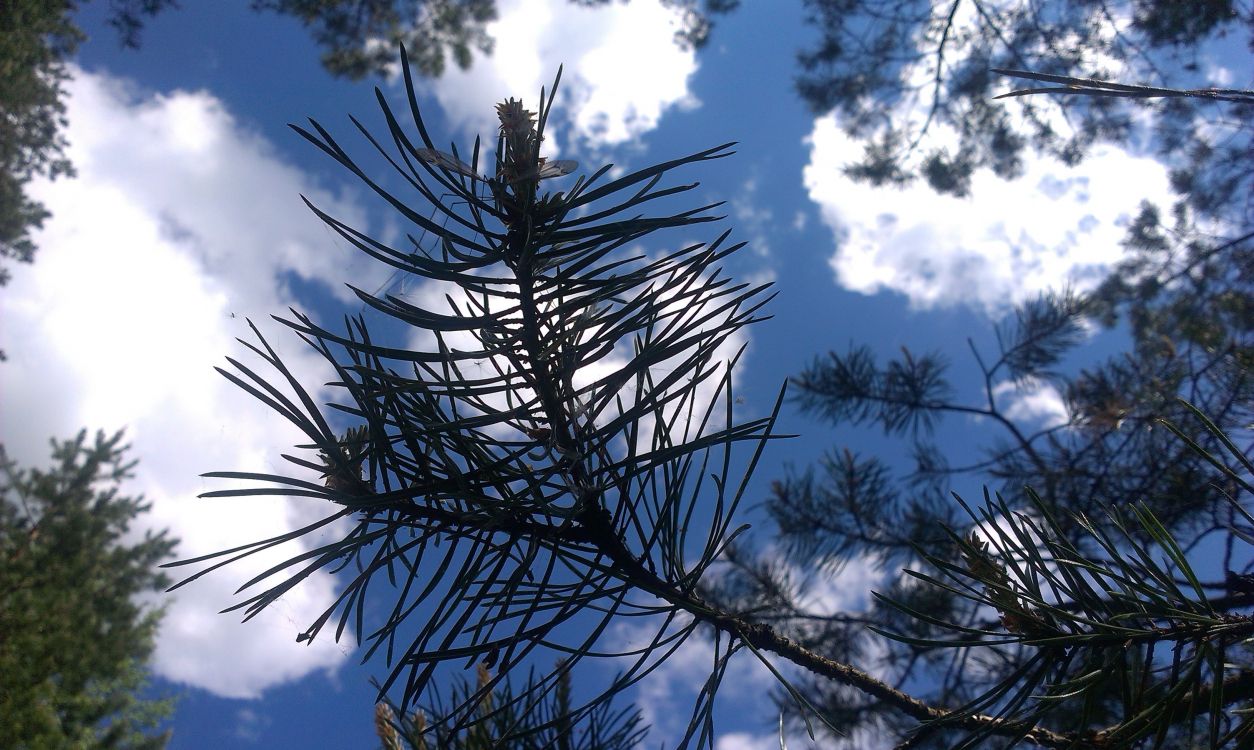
(913, 80)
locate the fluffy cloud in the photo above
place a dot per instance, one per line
(1034, 402)
(179, 224)
(745, 741)
(847, 589)
(1007, 241)
(755, 219)
(623, 69)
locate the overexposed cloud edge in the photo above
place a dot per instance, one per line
(622, 71)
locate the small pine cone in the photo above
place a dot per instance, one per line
(383, 727)
(341, 484)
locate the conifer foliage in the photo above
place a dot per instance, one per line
(541, 725)
(553, 450)
(562, 450)
(1144, 472)
(74, 640)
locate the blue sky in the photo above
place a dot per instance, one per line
(185, 219)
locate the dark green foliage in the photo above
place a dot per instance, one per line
(37, 37)
(1181, 23)
(127, 17)
(359, 36)
(831, 514)
(74, 639)
(902, 396)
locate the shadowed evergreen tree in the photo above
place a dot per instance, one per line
(74, 641)
(37, 38)
(553, 448)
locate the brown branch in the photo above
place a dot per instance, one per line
(764, 638)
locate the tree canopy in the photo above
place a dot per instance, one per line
(37, 39)
(75, 638)
(915, 83)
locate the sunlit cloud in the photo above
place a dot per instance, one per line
(746, 741)
(180, 223)
(623, 70)
(753, 217)
(1032, 402)
(1006, 242)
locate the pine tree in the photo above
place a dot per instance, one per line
(37, 39)
(554, 447)
(546, 724)
(74, 639)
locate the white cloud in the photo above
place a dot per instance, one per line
(746, 741)
(249, 725)
(178, 218)
(1008, 241)
(622, 72)
(848, 589)
(753, 217)
(1034, 401)
(1219, 75)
